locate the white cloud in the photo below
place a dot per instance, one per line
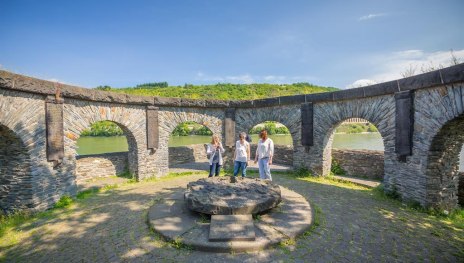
(361, 83)
(248, 78)
(390, 66)
(371, 16)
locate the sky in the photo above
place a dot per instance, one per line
(341, 44)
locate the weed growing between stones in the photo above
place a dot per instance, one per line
(301, 172)
(318, 220)
(336, 168)
(64, 201)
(204, 219)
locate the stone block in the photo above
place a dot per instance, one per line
(381, 89)
(292, 99)
(319, 97)
(241, 103)
(212, 103)
(192, 103)
(161, 101)
(347, 94)
(425, 80)
(453, 74)
(231, 228)
(269, 102)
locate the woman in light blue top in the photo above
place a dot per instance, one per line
(215, 151)
(264, 154)
(241, 155)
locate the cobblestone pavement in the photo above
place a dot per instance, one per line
(355, 227)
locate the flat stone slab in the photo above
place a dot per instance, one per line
(232, 196)
(231, 228)
(176, 222)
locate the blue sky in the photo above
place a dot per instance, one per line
(124, 43)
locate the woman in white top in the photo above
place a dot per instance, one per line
(241, 155)
(215, 151)
(263, 157)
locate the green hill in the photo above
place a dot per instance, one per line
(223, 91)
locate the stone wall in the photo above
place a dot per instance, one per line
(461, 190)
(101, 165)
(197, 153)
(360, 163)
(22, 117)
(187, 154)
(283, 154)
(428, 175)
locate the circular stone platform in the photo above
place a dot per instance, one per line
(171, 218)
(232, 196)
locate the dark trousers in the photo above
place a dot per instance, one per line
(214, 168)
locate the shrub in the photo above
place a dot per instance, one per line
(336, 168)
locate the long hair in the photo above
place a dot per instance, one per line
(263, 135)
(215, 140)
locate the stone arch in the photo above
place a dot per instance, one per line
(15, 172)
(169, 118)
(290, 116)
(379, 111)
(80, 115)
(176, 117)
(442, 171)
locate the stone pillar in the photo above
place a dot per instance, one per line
(229, 137)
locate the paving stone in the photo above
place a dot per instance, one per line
(231, 228)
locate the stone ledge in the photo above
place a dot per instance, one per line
(450, 75)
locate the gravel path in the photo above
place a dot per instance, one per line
(355, 227)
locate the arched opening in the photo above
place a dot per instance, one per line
(106, 149)
(15, 172)
(445, 184)
(357, 150)
(187, 146)
(283, 143)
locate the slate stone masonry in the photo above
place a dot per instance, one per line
(101, 165)
(427, 176)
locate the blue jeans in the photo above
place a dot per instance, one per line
(264, 169)
(214, 168)
(240, 165)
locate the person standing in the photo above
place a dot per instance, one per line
(241, 155)
(215, 151)
(264, 154)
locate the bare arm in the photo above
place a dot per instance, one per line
(248, 152)
(271, 151)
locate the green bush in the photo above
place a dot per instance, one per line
(103, 128)
(203, 131)
(302, 172)
(336, 168)
(223, 91)
(181, 130)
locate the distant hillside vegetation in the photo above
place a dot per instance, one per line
(223, 91)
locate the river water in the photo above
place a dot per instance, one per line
(367, 141)
(94, 145)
